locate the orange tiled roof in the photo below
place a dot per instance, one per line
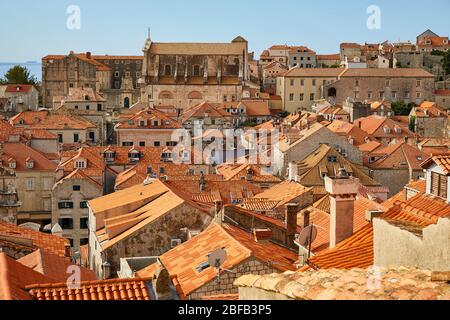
(14, 276)
(21, 153)
(29, 117)
(443, 161)
(149, 116)
(106, 290)
(182, 261)
(53, 266)
(283, 192)
(398, 156)
(22, 88)
(203, 108)
(357, 251)
(48, 242)
(62, 122)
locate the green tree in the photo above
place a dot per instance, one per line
(401, 108)
(19, 75)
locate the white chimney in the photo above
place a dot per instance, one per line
(293, 172)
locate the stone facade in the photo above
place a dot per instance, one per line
(75, 192)
(153, 239)
(298, 151)
(397, 246)
(395, 179)
(227, 279)
(184, 74)
(115, 76)
(390, 84)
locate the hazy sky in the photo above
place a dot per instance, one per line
(32, 29)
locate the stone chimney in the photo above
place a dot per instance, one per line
(67, 251)
(293, 172)
(305, 219)
(291, 213)
(343, 190)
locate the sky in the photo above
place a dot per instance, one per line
(32, 29)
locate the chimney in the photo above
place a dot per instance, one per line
(67, 251)
(106, 270)
(305, 221)
(88, 55)
(343, 190)
(293, 171)
(292, 210)
(218, 205)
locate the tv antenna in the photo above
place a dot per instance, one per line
(216, 259)
(307, 237)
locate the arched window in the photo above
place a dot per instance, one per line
(168, 70)
(166, 95)
(195, 95)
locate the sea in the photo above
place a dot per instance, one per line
(34, 67)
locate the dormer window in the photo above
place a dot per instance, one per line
(21, 122)
(29, 163)
(12, 164)
(142, 123)
(80, 164)
(387, 130)
(156, 123)
(131, 122)
(398, 130)
(134, 155)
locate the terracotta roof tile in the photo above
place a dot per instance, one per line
(53, 266)
(14, 276)
(48, 242)
(106, 290)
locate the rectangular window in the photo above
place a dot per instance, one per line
(76, 137)
(84, 223)
(292, 82)
(66, 223)
(439, 185)
(302, 96)
(65, 205)
(84, 241)
(314, 83)
(47, 205)
(30, 184)
(157, 144)
(291, 97)
(83, 205)
(76, 188)
(60, 138)
(127, 144)
(142, 144)
(312, 97)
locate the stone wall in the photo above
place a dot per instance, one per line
(398, 246)
(226, 284)
(154, 239)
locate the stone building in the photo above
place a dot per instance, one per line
(185, 74)
(299, 88)
(290, 150)
(430, 120)
(442, 98)
(145, 220)
(149, 127)
(301, 56)
(114, 76)
(9, 200)
(409, 85)
(19, 97)
(189, 272)
(35, 176)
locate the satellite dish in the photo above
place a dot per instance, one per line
(217, 258)
(307, 236)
